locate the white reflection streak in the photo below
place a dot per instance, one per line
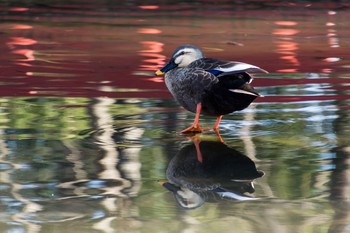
(331, 32)
(245, 135)
(30, 207)
(104, 123)
(105, 225)
(130, 168)
(249, 146)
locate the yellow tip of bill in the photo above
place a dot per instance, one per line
(159, 72)
(162, 181)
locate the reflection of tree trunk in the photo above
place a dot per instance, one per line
(249, 146)
(245, 135)
(340, 191)
(121, 165)
(75, 157)
(104, 125)
(117, 164)
(340, 176)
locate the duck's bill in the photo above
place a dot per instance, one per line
(169, 66)
(159, 72)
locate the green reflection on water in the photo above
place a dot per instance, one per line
(48, 117)
(100, 159)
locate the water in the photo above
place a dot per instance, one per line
(89, 138)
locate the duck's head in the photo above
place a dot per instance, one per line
(182, 57)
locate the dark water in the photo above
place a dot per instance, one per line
(89, 138)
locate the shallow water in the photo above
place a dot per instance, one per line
(89, 138)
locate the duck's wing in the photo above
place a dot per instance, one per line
(189, 81)
(198, 78)
(221, 67)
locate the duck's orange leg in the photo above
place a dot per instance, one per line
(216, 128)
(195, 127)
(217, 122)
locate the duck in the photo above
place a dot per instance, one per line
(208, 86)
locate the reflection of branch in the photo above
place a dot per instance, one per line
(75, 158)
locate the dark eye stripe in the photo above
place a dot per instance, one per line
(177, 55)
(181, 53)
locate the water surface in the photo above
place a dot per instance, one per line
(89, 138)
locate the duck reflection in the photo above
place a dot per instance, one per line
(205, 171)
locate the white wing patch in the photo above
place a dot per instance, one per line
(243, 92)
(241, 67)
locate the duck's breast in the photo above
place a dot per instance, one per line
(179, 83)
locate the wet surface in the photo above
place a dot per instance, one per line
(89, 137)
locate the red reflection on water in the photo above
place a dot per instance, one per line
(15, 42)
(149, 7)
(149, 31)
(87, 61)
(21, 41)
(151, 47)
(286, 47)
(326, 71)
(286, 23)
(153, 59)
(21, 26)
(19, 9)
(28, 53)
(287, 70)
(285, 32)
